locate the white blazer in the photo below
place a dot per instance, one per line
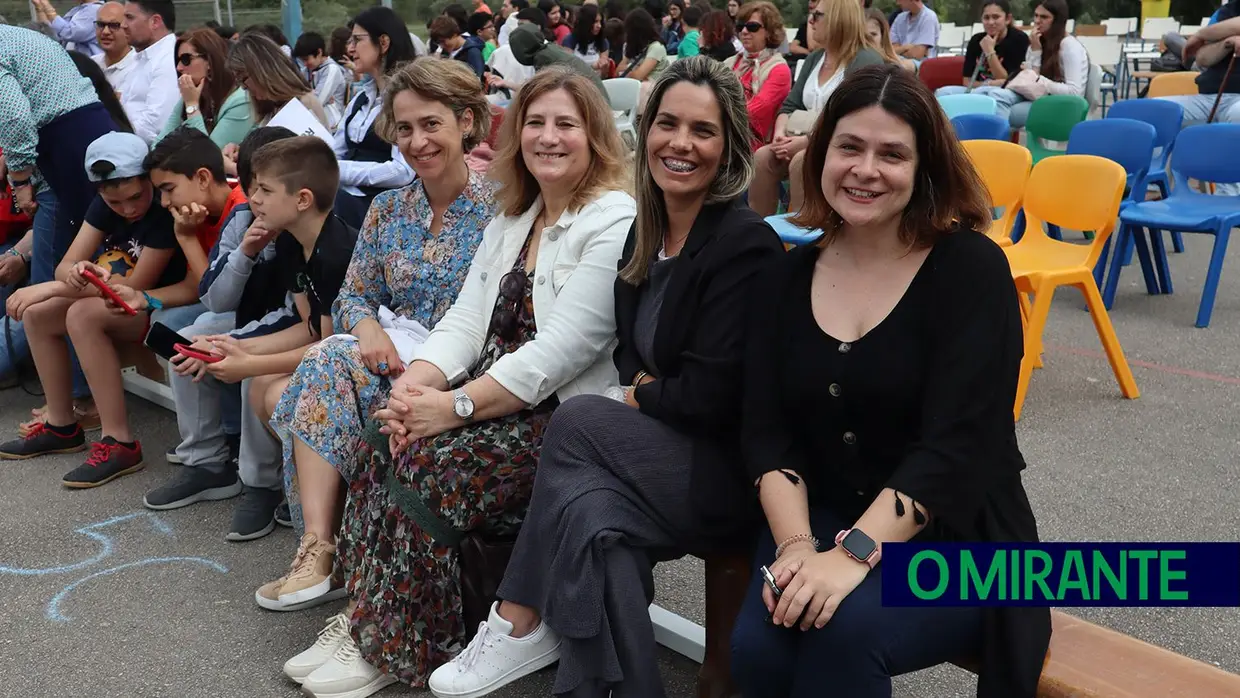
(574, 303)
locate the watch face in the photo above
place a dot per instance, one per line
(858, 544)
(464, 407)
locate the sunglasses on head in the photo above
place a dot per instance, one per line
(114, 26)
(752, 27)
(186, 59)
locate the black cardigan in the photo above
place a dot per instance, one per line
(922, 403)
(699, 346)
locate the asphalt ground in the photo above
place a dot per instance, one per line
(93, 607)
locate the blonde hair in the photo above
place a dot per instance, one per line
(772, 21)
(262, 63)
(884, 35)
(606, 172)
(736, 167)
(451, 83)
(845, 23)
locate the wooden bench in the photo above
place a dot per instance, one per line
(1084, 660)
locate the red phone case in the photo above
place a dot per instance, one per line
(195, 354)
(107, 291)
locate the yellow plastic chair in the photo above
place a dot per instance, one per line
(1004, 169)
(1076, 192)
(1173, 84)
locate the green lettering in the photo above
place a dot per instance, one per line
(1014, 591)
(1143, 558)
(970, 577)
(1037, 576)
(1072, 576)
(1102, 568)
(1166, 575)
(944, 575)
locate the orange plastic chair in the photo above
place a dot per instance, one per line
(1004, 169)
(1076, 192)
(1173, 84)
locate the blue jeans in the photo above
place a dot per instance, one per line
(11, 333)
(857, 652)
(1005, 100)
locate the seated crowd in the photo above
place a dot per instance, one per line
(606, 357)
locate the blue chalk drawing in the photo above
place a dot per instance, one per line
(53, 607)
(105, 546)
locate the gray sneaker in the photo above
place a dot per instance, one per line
(283, 516)
(194, 485)
(255, 514)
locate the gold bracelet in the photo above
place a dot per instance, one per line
(798, 538)
(637, 380)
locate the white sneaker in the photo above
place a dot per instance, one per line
(330, 639)
(494, 659)
(346, 675)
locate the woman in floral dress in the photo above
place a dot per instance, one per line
(534, 325)
(410, 259)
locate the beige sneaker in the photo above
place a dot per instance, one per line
(268, 595)
(310, 577)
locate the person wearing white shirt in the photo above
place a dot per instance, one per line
(509, 14)
(153, 90)
(368, 164)
(118, 57)
(76, 29)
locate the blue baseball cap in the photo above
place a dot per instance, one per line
(125, 152)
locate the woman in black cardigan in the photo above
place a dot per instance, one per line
(879, 390)
(622, 485)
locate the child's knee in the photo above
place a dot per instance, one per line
(87, 316)
(42, 318)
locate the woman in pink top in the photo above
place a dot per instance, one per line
(762, 70)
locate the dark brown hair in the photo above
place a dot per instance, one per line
(303, 162)
(220, 82)
(1052, 66)
(946, 189)
(716, 29)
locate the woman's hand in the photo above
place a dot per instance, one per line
(417, 412)
(1035, 40)
(630, 395)
(21, 299)
(820, 583)
(12, 268)
(785, 568)
(77, 281)
(988, 45)
(378, 352)
(237, 363)
(191, 92)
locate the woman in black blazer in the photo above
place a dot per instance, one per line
(622, 485)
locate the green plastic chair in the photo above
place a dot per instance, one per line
(1052, 118)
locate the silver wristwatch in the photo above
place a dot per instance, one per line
(463, 404)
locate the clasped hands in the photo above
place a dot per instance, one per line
(813, 583)
(415, 412)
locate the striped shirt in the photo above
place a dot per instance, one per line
(38, 83)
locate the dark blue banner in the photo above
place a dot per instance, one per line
(1061, 574)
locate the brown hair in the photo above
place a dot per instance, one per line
(262, 62)
(607, 171)
(884, 35)
(451, 83)
(717, 29)
(1052, 64)
(444, 27)
(946, 189)
(219, 80)
(302, 162)
(772, 21)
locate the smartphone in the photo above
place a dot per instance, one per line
(770, 582)
(167, 343)
(107, 291)
(186, 350)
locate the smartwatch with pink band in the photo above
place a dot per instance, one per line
(859, 546)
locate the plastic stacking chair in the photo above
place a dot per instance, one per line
(1131, 144)
(1198, 155)
(955, 105)
(1078, 192)
(624, 95)
(1173, 84)
(790, 234)
(1004, 169)
(941, 71)
(1052, 118)
(1167, 118)
(971, 127)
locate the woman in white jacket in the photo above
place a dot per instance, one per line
(534, 325)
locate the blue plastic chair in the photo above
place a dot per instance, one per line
(974, 127)
(956, 105)
(1131, 144)
(789, 233)
(1201, 154)
(1167, 118)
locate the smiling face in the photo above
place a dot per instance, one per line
(428, 134)
(129, 198)
(272, 203)
(870, 167)
(554, 143)
(685, 143)
(191, 62)
(753, 33)
(994, 20)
